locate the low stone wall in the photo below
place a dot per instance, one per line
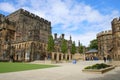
(99, 71)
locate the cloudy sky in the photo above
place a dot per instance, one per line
(82, 19)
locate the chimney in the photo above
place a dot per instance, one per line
(62, 36)
(55, 35)
(70, 38)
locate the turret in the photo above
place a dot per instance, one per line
(116, 32)
(115, 25)
(70, 38)
(79, 43)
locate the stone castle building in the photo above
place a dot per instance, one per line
(104, 42)
(58, 42)
(116, 38)
(58, 55)
(23, 36)
(109, 41)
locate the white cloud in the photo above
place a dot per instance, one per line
(7, 7)
(21, 2)
(80, 20)
(84, 38)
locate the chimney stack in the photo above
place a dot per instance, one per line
(55, 35)
(62, 36)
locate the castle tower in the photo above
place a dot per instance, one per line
(26, 33)
(105, 43)
(116, 38)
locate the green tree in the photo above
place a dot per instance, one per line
(93, 44)
(73, 49)
(64, 46)
(80, 48)
(50, 47)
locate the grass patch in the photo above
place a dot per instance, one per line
(13, 67)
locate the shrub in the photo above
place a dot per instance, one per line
(97, 66)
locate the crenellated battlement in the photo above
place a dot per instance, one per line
(107, 32)
(27, 13)
(116, 20)
(4, 19)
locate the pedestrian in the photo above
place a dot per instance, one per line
(104, 58)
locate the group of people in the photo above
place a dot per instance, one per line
(108, 58)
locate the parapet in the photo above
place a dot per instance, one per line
(31, 15)
(116, 20)
(107, 32)
(27, 13)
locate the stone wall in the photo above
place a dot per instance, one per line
(116, 38)
(27, 34)
(30, 26)
(105, 43)
(109, 41)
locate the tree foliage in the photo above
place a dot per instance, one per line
(64, 46)
(80, 48)
(73, 49)
(93, 44)
(50, 47)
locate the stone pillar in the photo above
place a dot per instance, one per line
(61, 56)
(69, 56)
(31, 57)
(53, 55)
(57, 57)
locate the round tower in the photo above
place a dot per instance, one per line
(104, 43)
(116, 37)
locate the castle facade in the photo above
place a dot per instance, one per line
(109, 41)
(23, 36)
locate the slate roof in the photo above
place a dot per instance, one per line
(92, 51)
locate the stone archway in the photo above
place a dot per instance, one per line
(64, 56)
(67, 57)
(42, 56)
(37, 55)
(55, 56)
(48, 56)
(60, 57)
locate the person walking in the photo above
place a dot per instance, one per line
(104, 58)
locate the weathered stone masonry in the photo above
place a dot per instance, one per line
(109, 41)
(24, 36)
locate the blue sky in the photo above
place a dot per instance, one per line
(82, 19)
